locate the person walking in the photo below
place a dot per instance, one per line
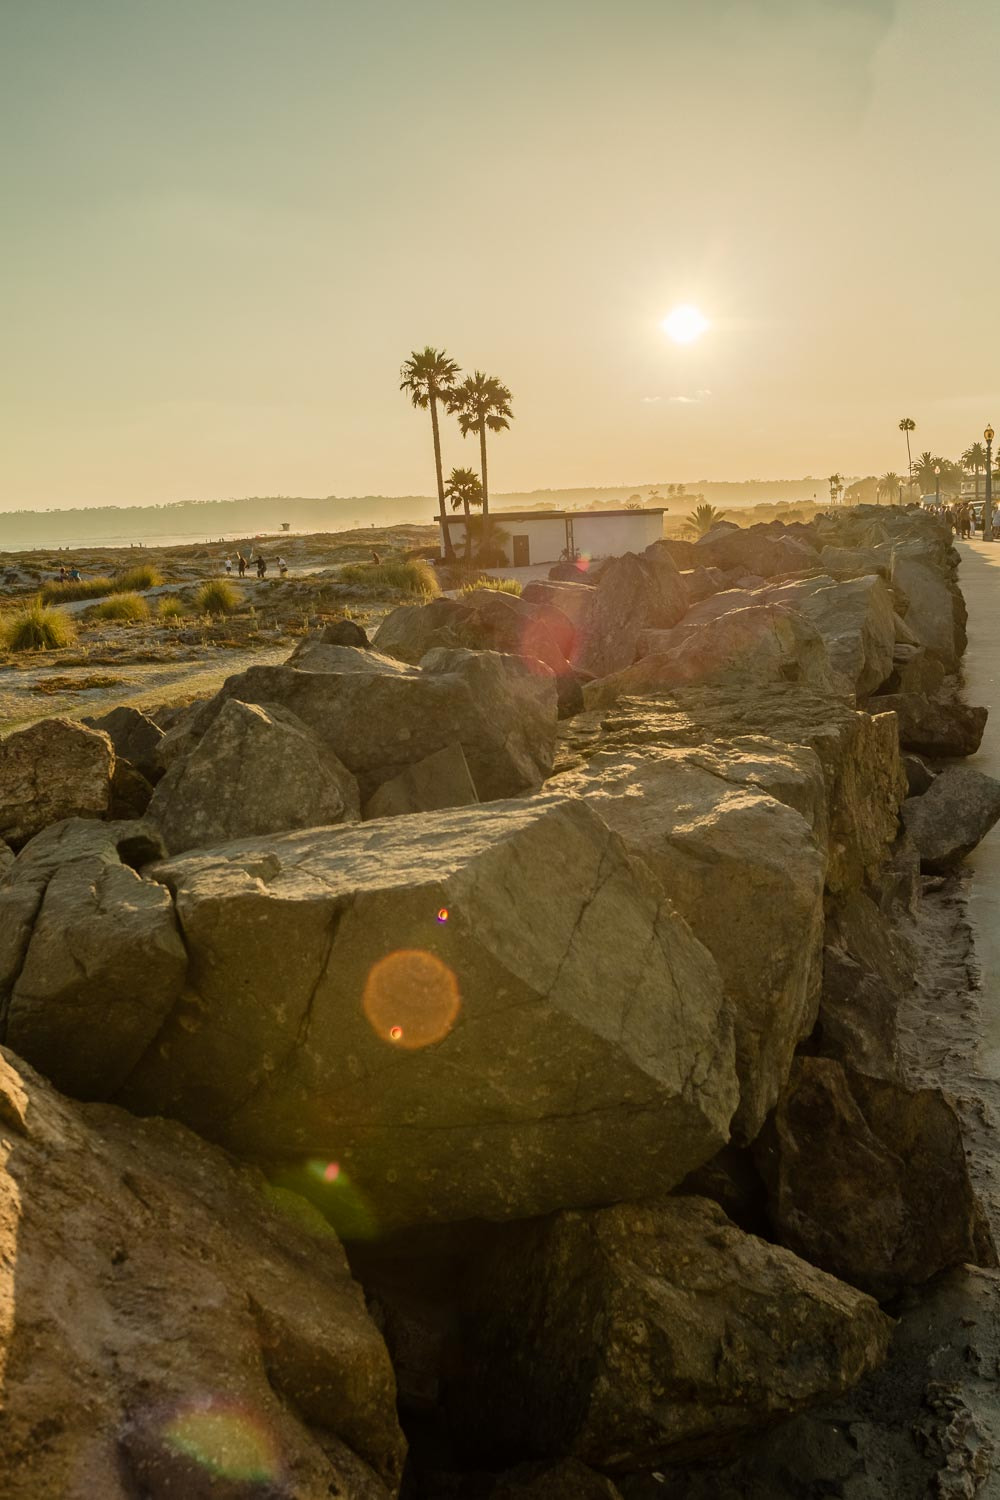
(229, 567)
(241, 564)
(261, 565)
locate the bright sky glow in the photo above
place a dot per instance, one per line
(685, 324)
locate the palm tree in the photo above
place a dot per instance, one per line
(889, 485)
(429, 376)
(703, 518)
(463, 489)
(908, 425)
(923, 470)
(836, 483)
(482, 402)
(974, 458)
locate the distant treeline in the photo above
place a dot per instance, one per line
(266, 513)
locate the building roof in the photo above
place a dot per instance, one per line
(561, 515)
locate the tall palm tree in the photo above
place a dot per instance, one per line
(836, 483)
(482, 403)
(908, 425)
(429, 376)
(974, 458)
(923, 470)
(889, 485)
(463, 489)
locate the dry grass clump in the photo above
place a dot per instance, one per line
(124, 607)
(217, 597)
(87, 588)
(414, 577)
(498, 585)
(141, 576)
(171, 608)
(37, 628)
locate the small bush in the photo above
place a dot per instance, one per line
(415, 577)
(217, 597)
(171, 608)
(142, 576)
(37, 628)
(498, 585)
(122, 607)
(88, 588)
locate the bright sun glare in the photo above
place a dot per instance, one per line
(685, 324)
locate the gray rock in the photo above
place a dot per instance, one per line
(180, 1325)
(421, 1001)
(935, 611)
(932, 726)
(134, 736)
(867, 973)
(442, 780)
(344, 633)
(918, 775)
(956, 811)
(643, 1334)
(634, 594)
(52, 770)
(856, 562)
(745, 871)
(500, 711)
(868, 1179)
(256, 770)
(764, 643)
(757, 550)
(315, 654)
(91, 960)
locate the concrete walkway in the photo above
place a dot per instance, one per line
(980, 581)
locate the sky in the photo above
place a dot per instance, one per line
(225, 223)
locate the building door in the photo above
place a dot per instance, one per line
(522, 557)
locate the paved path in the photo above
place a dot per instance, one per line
(980, 581)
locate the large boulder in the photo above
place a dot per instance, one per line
(411, 630)
(53, 769)
(315, 653)
(442, 780)
(256, 770)
(421, 1001)
(633, 594)
(855, 562)
(572, 600)
(867, 973)
(91, 959)
(172, 1327)
(745, 871)
(935, 610)
(950, 818)
(858, 753)
(755, 549)
(868, 1179)
(765, 643)
(638, 1335)
(934, 726)
(855, 619)
(499, 709)
(134, 736)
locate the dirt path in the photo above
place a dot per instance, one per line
(197, 674)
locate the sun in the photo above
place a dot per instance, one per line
(685, 324)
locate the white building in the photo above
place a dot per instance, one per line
(551, 536)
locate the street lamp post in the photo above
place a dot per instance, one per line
(937, 485)
(988, 502)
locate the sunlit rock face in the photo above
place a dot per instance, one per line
(484, 1012)
(172, 1326)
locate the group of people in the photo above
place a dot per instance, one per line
(961, 517)
(244, 563)
(70, 575)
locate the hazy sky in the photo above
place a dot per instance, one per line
(224, 223)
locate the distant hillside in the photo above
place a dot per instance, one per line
(198, 520)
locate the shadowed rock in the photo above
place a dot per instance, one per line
(868, 1179)
(633, 594)
(173, 1326)
(442, 780)
(639, 1334)
(934, 727)
(956, 811)
(53, 769)
(256, 770)
(134, 736)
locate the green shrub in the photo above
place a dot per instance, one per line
(37, 627)
(122, 607)
(217, 597)
(498, 585)
(415, 577)
(87, 588)
(171, 608)
(141, 576)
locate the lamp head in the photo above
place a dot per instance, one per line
(937, 468)
(989, 434)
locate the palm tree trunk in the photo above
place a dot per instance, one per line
(468, 533)
(482, 465)
(909, 467)
(446, 534)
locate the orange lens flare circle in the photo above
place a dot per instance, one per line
(411, 998)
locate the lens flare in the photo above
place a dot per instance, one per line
(324, 1185)
(225, 1439)
(411, 998)
(443, 914)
